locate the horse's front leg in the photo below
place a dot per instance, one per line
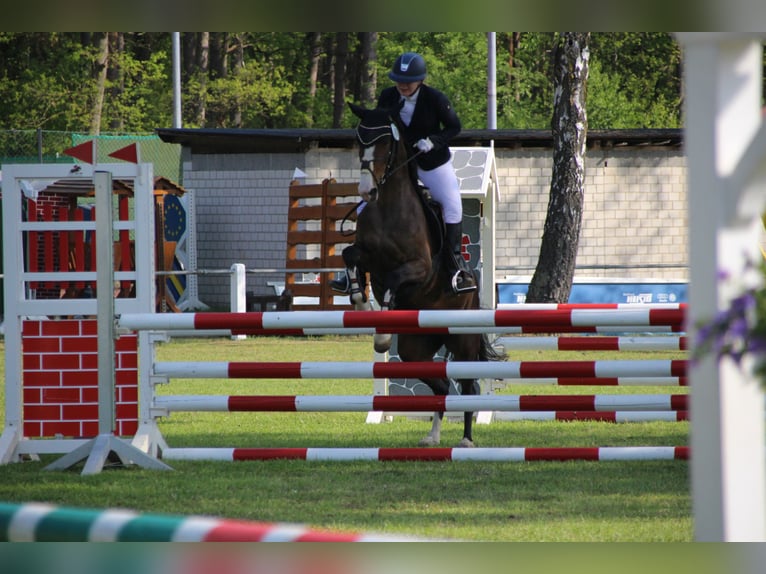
(352, 256)
(357, 287)
(408, 274)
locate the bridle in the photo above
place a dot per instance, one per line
(367, 136)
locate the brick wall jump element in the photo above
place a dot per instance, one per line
(60, 380)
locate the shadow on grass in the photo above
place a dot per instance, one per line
(544, 501)
(492, 501)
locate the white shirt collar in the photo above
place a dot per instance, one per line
(413, 97)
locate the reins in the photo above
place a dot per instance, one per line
(389, 172)
(343, 221)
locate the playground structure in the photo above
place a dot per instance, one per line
(57, 243)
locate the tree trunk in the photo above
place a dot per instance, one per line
(552, 280)
(513, 44)
(116, 76)
(188, 54)
(99, 74)
(238, 49)
(219, 54)
(326, 64)
(315, 48)
(339, 89)
(203, 67)
(368, 70)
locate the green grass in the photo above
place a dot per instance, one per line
(477, 501)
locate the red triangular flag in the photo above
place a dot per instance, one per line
(83, 152)
(127, 153)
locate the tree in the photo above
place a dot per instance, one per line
(203, 71)
(552, 280)
(456, 63)
(139, 93)
(315, 50)
(100, 69)
(634, 81)
(46, 81)
(368, 74)
(524, 91)
(50, 80)
(339, 88)
(115, 76)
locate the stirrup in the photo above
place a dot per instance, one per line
(462, 282)
(341, 285)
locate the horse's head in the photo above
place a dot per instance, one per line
(378, 136)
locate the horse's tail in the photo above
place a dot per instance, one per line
(489, 353)
(486, 351)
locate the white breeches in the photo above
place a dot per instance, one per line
(445, 188)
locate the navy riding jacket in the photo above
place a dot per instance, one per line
(433, 118)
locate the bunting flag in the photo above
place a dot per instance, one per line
(127, 153)
(84, 152)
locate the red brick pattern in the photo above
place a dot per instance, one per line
(60, 380)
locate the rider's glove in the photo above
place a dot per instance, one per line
(424, 145)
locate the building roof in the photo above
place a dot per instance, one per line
(208, 140)
(83, 186)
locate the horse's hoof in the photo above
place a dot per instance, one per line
(361, 305)
(429, 441)
(465, 443)
(382, 342)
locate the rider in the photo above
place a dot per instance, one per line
(430, 122)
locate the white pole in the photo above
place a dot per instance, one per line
(177, 121)
(102, 181)
(238, 293)
(491, 81)
(723, 87)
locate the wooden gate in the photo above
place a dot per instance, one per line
(321, 220)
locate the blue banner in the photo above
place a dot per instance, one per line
(596, 292)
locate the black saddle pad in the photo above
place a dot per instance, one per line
(433, 212)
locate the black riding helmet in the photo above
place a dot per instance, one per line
(409, 67)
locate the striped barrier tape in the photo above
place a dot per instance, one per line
(36, 522)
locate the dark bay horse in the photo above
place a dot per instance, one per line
(402, 252)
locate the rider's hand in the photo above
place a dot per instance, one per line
(424, 145)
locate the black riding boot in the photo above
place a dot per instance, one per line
(461, 278)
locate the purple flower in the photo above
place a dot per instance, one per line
(757, 345)
(737, 330)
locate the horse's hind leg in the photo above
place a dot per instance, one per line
(433, 438)
(468, 387)
(439, 387)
